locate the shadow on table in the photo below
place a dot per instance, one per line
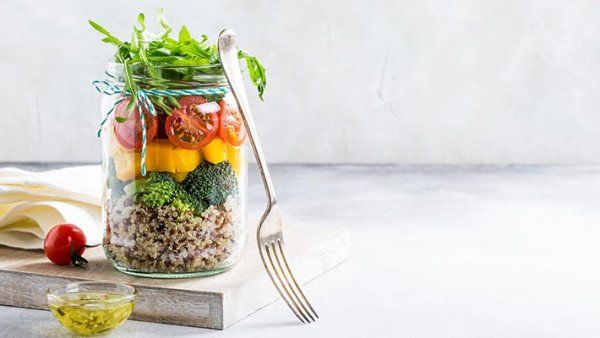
(38, 328)
(42, 324)
(52, 328)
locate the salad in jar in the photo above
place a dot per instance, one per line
(173, 155)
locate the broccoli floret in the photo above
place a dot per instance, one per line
(154, 191)
(211, 183)
(184, 202)
(160, 189)
(157, 194)
(181, 206)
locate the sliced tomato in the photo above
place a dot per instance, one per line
(189, 127)
(129, 132)
(185, 101)
(161, 134)
(231, 125)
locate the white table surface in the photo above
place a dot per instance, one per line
(437, 251)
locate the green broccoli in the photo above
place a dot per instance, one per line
(157, 194)
(159, 189)
(183, 201)
(211, 183)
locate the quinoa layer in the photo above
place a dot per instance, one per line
(166, 241)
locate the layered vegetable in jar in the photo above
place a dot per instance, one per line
(173, 155)
(186, 214)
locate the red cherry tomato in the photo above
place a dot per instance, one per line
(185, 101)
(64, 244)
(190, 128)
(129, 133)
(231, 126)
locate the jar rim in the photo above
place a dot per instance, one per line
(139, 65)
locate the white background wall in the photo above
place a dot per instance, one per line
(391, 81)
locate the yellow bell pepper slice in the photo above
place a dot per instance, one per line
(161, 155)
(218, 151)
(180, 176)
(215, 152)
(186, 160)
(235, 155)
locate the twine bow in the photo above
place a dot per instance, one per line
(110, 88)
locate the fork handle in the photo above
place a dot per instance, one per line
(231, 67)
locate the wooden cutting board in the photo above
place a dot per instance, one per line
(212, 302)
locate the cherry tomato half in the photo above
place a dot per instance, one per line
(185, 101)
(231, 126)
(129, 133)
(189, 127)
(64, 244)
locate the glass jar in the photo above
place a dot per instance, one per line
(185, 216)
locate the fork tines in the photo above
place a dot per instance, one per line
(278, 269)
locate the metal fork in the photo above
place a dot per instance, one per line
(270, 228)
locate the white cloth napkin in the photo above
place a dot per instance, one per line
(31, 203)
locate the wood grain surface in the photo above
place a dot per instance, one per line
(211, 302)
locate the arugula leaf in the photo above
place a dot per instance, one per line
(256, 71)
(195, 49)
(184, 35)
(109, 37)
(164, 24)
(191, 62)
(130, 85)
(141, 19)
(122, 53)
(158, 60)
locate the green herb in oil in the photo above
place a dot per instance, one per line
(91, 313)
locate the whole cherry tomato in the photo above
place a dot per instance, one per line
(64, 244)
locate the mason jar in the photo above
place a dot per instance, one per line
(175, 172)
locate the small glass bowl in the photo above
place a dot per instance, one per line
(88, 308)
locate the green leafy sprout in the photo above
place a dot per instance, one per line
(150, 54)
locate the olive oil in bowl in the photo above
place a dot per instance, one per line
(91, 308)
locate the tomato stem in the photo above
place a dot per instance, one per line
(77, 259)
